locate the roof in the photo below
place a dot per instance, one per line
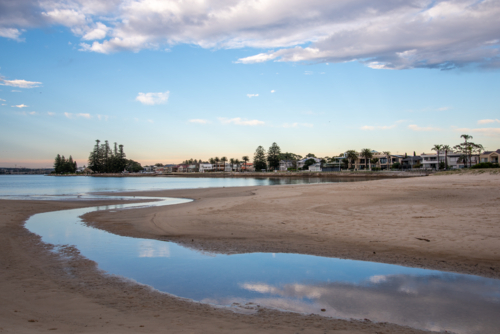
(489, 152)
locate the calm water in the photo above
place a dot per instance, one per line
(21, 185)
(420, 298)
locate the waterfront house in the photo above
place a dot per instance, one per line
(205, 167)
(285, 164)
(490, 156)
(300, 163)
(410, 162)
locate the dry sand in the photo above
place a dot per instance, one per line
(449, 222)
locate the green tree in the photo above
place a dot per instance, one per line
(438, 149)
(259, 159)
(273, 156)
(351, 156)
(217, 160)
(367, 154)
(245, 160)
(57, 164)
(308, 163)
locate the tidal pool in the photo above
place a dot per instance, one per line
(420, 298)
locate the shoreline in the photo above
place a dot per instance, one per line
(387, 220)
(333, 175)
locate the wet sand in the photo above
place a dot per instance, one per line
(446, 222)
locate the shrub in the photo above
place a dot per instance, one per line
(486, 165)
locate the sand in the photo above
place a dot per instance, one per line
(448, 222)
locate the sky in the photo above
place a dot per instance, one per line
(173, 80)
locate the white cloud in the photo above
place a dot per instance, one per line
(153, 98)
(51, 113)
(394, 34)
(308, 72)
(199, 121)
(15, 91)
(443, 108)
(490, 132)
(33, 113)
(11, 33)
(252, 95)
(380, 127)
(99, 32)
(487, 121)
(102, 117)
(20, 106)
(19, 83)
(273, 91)
(150, 121)
(297, 125)
(240, 121)
(415, 127)
(80, 115)
(2, 100)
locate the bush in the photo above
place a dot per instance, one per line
(375, 168)
(396, 165)
(486, 165)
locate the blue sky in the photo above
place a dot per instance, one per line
(75, 71)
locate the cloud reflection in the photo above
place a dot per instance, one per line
(463, 304)
(148, 248)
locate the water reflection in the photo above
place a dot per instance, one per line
(414, 297)
(33, 185)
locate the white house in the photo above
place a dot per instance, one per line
(300, 163)
(315, 167)
(205, 168)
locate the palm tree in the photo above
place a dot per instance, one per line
(245, 159)
(216, 159)
(466, 137)
(352, 156)
(446, 149)
(237, 162)
(367, 154)
(231, 161)
(223, 160)
(437, 148)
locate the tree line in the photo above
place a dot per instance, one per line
(63, 165)
(103, 159)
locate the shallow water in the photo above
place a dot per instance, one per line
(420, 298)
(30, 185)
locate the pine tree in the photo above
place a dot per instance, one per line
(57, 164)
(273, 156)
(259, 159)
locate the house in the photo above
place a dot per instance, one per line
(300, 163)
(316, 167)
(205, 167)
(384, 161)
(182, 168)
(452, 159)
(490, 156)
(285, 164)
(247, 167)
(148, 169)
(410, 162)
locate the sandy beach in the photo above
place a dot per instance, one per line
(446, 222)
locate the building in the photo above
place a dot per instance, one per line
(316, 167)
(205, 167)
(300, 163)
(490, 156)
(285, 164)
(411, 162)
(247, 167)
